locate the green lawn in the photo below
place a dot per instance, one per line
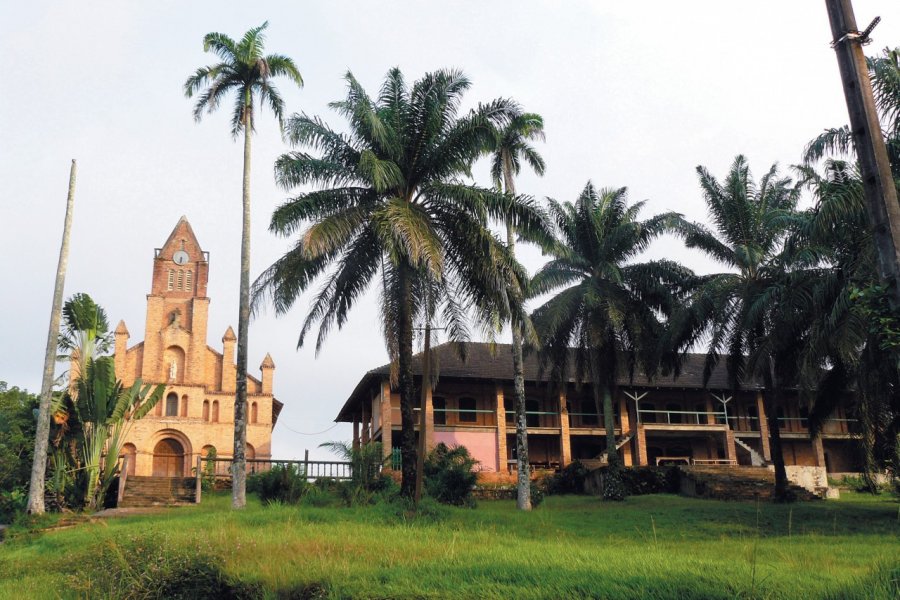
(647, 547)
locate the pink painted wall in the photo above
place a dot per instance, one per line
(481, 445)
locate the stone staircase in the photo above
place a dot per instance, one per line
(734, 483)
(158, 491)
(756, 459)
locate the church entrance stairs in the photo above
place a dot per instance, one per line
(158, 491)
(734, 483)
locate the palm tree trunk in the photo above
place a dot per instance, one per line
(42, 436)
(523, 468)
(613, 488)
(239, 462)
(771, 401)
(407, 387)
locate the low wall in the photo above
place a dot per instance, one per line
(813, 479)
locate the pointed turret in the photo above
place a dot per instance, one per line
(229, 335)
(268, 371)
(121, 349)
(229, 372)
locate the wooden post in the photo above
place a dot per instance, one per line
(306, 463)
(878, 182)
(199, 489)
(423, 414)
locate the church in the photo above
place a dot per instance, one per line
(195, 415)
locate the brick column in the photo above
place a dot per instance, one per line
(386, 419)
(763, 427)
(565, 442)
(730, 450)
(429, 420)
(366, 426)
(500, 415)
(641, 446)
(818, 451)
(355, 432)
(625, 422)
(711, 418)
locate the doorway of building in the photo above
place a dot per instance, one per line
(168, 459)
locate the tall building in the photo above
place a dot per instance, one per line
(196, 413)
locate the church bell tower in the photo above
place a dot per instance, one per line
(177, 311)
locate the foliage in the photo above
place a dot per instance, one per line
(872, 305)
(449, 475)
(568, 480)
(390, 205)
(94, 414)
(17, 430)
(651, 480)
(701, 549)
(286, 484)
(207, 471)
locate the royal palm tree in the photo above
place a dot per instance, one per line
(246, 72)
(391, 205)
(754, 314)
(607, 318)
(511, 148)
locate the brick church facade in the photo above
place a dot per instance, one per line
(195, 415)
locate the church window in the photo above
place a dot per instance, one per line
(206, 410)
(254, 412)
(187, 280)
(184, 406)
(171, 283)
(215, 411)
(180, 285)
(172, 405)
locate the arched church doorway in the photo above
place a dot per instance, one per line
(168, 458)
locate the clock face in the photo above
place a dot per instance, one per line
(180, 257)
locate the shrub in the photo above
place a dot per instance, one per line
(282, 483)
(449, 475)
(12, 502)
(569, 480)
(650, 480)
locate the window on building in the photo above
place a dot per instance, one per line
(171, 283)
(180, 284)
(531, 418)
(254, 412)
(184, 406)
(440, 405)
(206, 410)
(509, 405)
(701, 414)
(188, 277)
(215, 411)
(467, 407)
(172, 405)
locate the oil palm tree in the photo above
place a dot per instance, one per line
(853, 349)
(247, 73)
(754, 314)
(391, 205)
(607, 318)
(511, 148)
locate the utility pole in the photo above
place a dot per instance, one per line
(42, 435)
(423, 416)
(878, 183)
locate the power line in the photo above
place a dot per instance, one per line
(316, 433)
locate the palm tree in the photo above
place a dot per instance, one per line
(853, 348)
(41, 438)
(752, 313)
(512, 146)
(607, 317)
(391, 205)
(246, 71)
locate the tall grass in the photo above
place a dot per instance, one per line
(646, 547)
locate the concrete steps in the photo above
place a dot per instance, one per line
(734, 483)
(158, 491)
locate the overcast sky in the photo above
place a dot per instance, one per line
(632, 93)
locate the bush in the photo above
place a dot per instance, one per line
(569, 480)
(12, 502)
(282, 483)
(650, 480)
(449, 475)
